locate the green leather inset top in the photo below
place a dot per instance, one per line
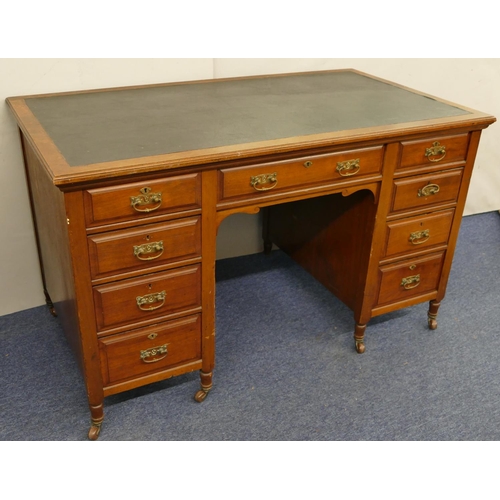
(132, 123)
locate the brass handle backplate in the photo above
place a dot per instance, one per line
(155, 247)
(348, 168)
(146, 198)
(258, 181)
(428, 190)
(419, 237)
(436, 150)
(145, 302)
(154, 351)
(410, 282)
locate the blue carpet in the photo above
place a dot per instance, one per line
(286, 366)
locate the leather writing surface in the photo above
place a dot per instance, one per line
(132, 123)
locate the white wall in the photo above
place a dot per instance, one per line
(471, 82)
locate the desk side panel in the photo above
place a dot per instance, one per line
(50, 221)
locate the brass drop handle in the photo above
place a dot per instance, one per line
(154, 351)
(436, 150)
(258, 182)
(410, 282)
(146, 198)
(419, 237)
(308, 164)
(348, 168)
(428, 190)
(155, 247)
(145, 303)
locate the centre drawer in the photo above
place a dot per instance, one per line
(148, 298)
(252, 181)
(144, 247)
(148, 350)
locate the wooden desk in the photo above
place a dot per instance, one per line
(363, 182)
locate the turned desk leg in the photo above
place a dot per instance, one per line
(432, 314)
(206, 385)
(359, 338)
(97, 417)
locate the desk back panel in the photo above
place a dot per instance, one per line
(330, 237)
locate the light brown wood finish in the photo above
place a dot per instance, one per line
(149, 350)
(127, 246)
(420, 192)
(153, 246)
(416, 234)
(126, 303)
(242, 183)
(112, 204)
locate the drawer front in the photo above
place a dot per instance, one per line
(426, 190)
(145, 299)
(243, 182)
(151, 349)
(144, 247)
(433, 151)
(418, 233)
(142, 199)
(410, 278)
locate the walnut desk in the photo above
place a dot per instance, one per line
(363, 182)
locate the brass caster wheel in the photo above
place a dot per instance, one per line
(432, 314)
(360, 346)
(53, 311)
(200, 396)
(94, 432)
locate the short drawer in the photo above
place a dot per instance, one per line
(142, 199)
(156, 348)
(148, 298)
(425, 190)
(244, 182)
(418, 233)
(144, 247)
(410, 278)
(435, 150)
